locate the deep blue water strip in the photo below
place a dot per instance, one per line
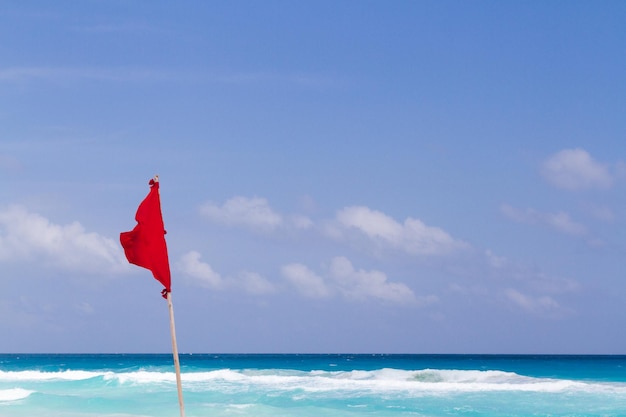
(579, 367)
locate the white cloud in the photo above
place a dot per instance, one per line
(255, 284)
(27, 236)
(413, 236)
(301, 222)
(241, 211)
(361, 284)
(575, 169)
(84, 308)
(351, 283)
(541, 305)
(305, 281)
(203, 275)
(253, 213)
(495, 261)
(374, 224)
(560, 221)
(200, 272)
(341, 279)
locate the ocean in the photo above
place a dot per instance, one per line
(312, 385)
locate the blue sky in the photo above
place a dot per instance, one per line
(336, 176)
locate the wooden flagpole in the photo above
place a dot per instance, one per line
(170, 307)
(175, 353)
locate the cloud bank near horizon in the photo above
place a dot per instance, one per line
(24, 235)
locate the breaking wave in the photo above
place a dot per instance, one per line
(47, 376)
(14, 394)
(381, 380)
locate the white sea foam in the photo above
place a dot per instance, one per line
(141, 377)
(388, 380)
(47, 376)
(417, 382)
(14, 394)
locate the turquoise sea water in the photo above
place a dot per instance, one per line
(338, 385)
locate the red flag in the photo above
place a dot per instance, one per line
(145, 245)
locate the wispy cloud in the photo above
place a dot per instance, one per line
(201, 274)
(25, 236)
(305, 281)
(253, 213)
(340, 279)
(360, 284)
(521, 287)
(411, 236)
(66, 74)
(560, 221)
(495, 261)
(575, 169)
(152, 75)
(354, 284)
(541, 305)
(255, 283)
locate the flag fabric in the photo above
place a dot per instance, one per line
(145, 245)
